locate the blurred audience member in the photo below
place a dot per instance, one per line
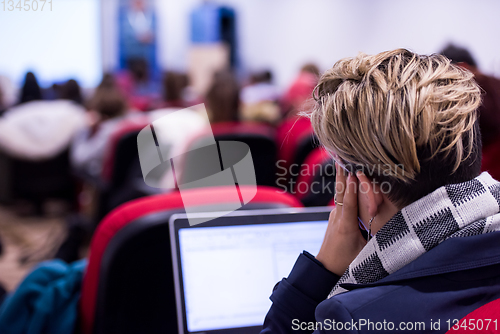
(30, 90)
(259, 99)
(299, 93)
(260, 89)
(223, 98)
(264, 112)
(108, 81)
(105, 110)
(489, 111)
(70, 90)
(39, 130)
(138, 67)
(174, 84)
(52, 93)
(137, 86)
(9, 93)
(2, 107)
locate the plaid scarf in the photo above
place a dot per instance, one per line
(455, 210)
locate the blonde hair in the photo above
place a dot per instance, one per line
(382, 110)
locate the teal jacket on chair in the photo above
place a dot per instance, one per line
(46, 301)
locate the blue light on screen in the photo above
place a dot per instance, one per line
(56, 45)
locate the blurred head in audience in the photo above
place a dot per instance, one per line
(310, 68)
(261, 77)
(489, 110)
(2, 107)
(298, 96)
(458, 54)
(263, 112)
(408, 122)
(30, 90)
(260, 88)
(222, 98)
(259, 99)
(108, 81)
(108, 103)
(138, 67)
(174, 84)
(70, 90)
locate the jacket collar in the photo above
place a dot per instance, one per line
(452, 255)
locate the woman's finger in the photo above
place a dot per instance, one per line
(340, 183)
(350, 207)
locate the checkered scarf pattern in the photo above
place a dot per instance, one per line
(455, 210)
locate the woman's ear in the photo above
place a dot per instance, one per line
(372, 196)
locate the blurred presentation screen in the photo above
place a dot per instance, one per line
(58, 43)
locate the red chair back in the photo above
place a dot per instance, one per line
(310, 169)
(260, 138)
(133, 125)
(481, 320)
(128, 286)
(295, 139)
(491, 159)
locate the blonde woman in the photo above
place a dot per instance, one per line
(413, 242)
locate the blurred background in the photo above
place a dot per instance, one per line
(80, 78)
(81, 38)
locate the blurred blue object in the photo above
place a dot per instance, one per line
(46, 301)
(211, 23)
(205, 24)
(137, 34)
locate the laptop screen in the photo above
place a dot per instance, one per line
(228, 272)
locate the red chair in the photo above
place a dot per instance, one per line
(486, 317)
(295, 139)
(128, 286)
(311, 169)
(259, 137)
(121, 171)
(133, 125)
(491, 159)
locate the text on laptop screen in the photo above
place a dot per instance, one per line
(229, 272)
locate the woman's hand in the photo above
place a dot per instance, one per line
(343, 240)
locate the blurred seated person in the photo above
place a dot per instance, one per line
(105, 110)
(2, 104)
(38, 129)
(31, 90)
(222, 99)
(108, 81)
(259, 99)
(174, 85)
(263, 112)
(137, 86)
(297, 98)
(260, 89)
(8, 94)
(489, 111)
(71, 91)
(221, 106)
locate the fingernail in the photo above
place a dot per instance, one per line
(359, 173)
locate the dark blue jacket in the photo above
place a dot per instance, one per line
(446, 283)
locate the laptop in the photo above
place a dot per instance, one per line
(225, 269)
